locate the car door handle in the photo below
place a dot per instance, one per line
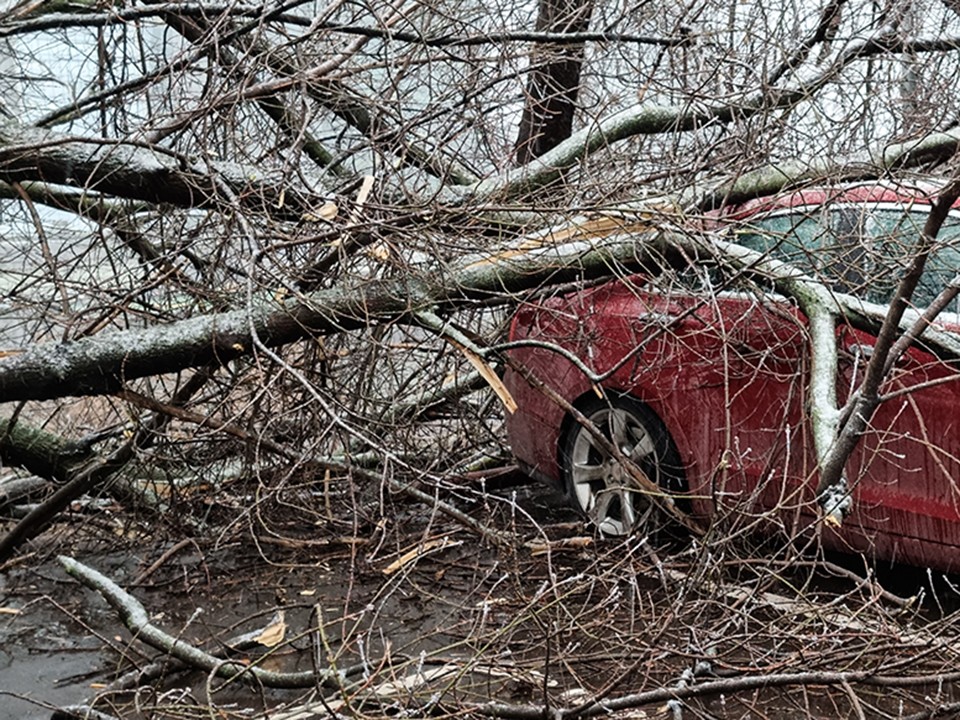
(864, 350)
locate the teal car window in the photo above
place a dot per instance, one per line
(857, 249)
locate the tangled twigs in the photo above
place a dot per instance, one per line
(726, 686)
(80, 712)
(97, 470)
(137, 620)
(495, 536)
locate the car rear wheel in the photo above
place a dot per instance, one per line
(598, 483)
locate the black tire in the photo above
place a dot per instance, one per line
(597, 484)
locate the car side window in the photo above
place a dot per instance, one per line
(826, 242)
(857, 248)
(903, 230)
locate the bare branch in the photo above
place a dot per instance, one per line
(132, 170)
(48, 20)
(867, 398)
(137, 620)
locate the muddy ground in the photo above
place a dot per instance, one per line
(435, 620)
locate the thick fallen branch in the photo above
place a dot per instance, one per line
(135, 171)
(103, 363)
(41, 453)
(137, 621)
(651, 118)
(869, 165)
(16, 488)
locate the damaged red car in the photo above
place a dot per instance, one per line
(700, 375)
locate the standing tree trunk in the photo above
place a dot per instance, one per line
(554, 80)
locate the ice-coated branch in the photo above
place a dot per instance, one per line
(867, 165)
(651, 118)
(864, 402)
(102, 363)
(137, 621)
(135, 171)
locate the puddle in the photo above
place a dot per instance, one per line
(39, 677)
(45, 656)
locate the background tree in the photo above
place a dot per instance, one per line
(554, 81)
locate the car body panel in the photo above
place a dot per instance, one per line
(727, 375)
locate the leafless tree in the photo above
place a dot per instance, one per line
(276, 246)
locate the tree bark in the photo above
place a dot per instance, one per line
(135, 171)
(554, 80)
(42, 453)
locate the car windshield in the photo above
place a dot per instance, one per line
(856, 248)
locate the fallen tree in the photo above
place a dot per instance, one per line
(355, 282)
(259, 263)
(107, 362)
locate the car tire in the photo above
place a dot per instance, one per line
(597, 484)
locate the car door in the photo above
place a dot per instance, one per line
(905, 472)
(746, 363)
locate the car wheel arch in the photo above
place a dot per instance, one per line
(589, 398)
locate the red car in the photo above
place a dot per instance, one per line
(701, 378)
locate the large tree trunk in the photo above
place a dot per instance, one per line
(554, 80)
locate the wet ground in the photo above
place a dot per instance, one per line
(60, 643)
(439, 619)
(49, 651)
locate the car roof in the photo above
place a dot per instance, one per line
(906, 192)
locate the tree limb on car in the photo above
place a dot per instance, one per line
(103, 363)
